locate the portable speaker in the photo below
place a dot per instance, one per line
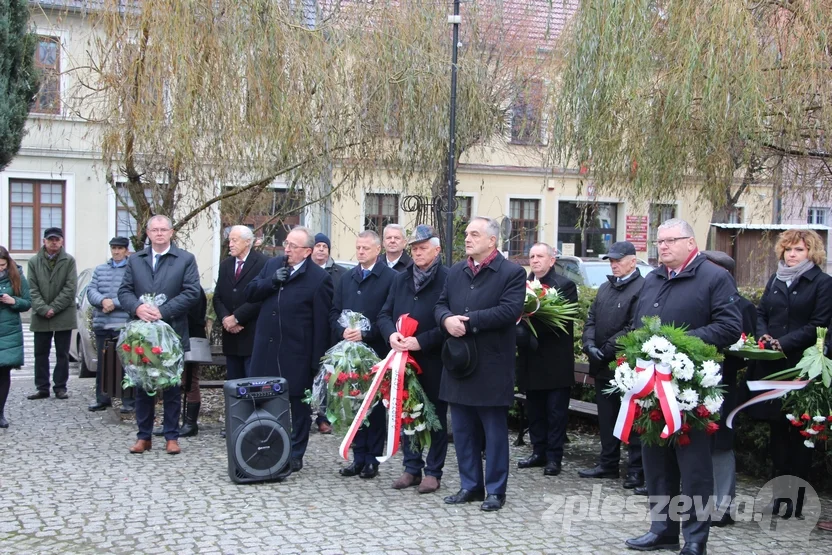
(258, 429)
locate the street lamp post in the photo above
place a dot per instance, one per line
(451, 204)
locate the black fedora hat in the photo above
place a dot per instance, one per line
(459, 356)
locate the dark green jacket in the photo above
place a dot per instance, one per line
(52, 288)
(11, 332)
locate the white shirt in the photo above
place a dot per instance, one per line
(158, 256)
(393, 263)
(627, 276)
(297, 267)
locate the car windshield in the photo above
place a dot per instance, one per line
(596, 274)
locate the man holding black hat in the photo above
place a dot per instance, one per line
(609, 316)
(415, 291)
(108, 318)
(52, 281)
(479, 307)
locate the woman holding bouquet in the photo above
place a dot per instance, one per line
(14, 299)
(796, 301)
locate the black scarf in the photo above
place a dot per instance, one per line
(422, 277)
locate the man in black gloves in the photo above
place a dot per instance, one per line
(609, 316)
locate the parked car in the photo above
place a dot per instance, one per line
(591, 272)
(82, 344)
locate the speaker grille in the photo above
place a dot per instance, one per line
(262, 447)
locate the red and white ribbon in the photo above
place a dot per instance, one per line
(396, 362)
(650, 378)
(778, 389)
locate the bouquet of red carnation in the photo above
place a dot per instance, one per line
(151, 353)
(418, 414)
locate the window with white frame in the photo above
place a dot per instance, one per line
(48, 63)
(817, 216)
(126, 225)
(34, 205)
(525, 222)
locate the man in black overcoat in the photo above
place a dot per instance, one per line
(685, 290)
(609, 318)
(479, 307)
(293, 327)
(546, 370)
(237, 315)
(364, 289)
(160, 269)
(416, 291)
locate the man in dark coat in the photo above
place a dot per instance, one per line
(160, 269)
(685, 290)
(364, 289)
(237, 315)
(292, 328)
(725, 476)
(320, 256)
(546, 373)
(416, 291)
(394, 256)
(479, 307)
(609, 317)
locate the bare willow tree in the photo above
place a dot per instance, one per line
(201, 102)
(723, 93)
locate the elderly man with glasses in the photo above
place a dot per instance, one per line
(292, 330)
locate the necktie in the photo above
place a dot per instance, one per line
(156, 259)
(238, 270)
(618, 280)
(672, 274)
(364, 273)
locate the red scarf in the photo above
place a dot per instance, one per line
(488, 260)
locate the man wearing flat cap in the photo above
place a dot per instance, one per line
(479, 307)
(609, 316)
(52, 281)
(108, 318)
(415, 291)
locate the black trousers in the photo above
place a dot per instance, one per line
(790, 458)
(548, 413)
(43, 345)
(608, 407)
(237, 367)
(475, 428)
(301, 422)
(413, 461)
(146, 410)
(368, 442)
(664, 468)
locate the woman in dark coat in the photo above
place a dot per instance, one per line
(14, 299)
(796, 301)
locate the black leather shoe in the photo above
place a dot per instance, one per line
(297, 465)
(61, 394)
(97, 406)
(653, 542)
(532, 461)
(369, 471)
(640, 490)
(38, 395)
(598, 472)
(725, 520)
(633, 480)
(465, 496)
(552, 469)
(352, 470)
(694, 548)
(493, 502)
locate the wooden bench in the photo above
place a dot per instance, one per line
(585, 408)
(217, 359)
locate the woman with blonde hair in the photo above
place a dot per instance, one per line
(14, 299)
(796, 301)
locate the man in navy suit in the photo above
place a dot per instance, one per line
(364, 289)
(293, 327)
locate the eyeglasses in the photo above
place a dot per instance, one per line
(292, 246)
(669, 241)
(159, 230)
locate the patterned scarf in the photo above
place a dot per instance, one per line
(488, 260)
(421, 277)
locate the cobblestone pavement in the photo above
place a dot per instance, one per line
(69, 485)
